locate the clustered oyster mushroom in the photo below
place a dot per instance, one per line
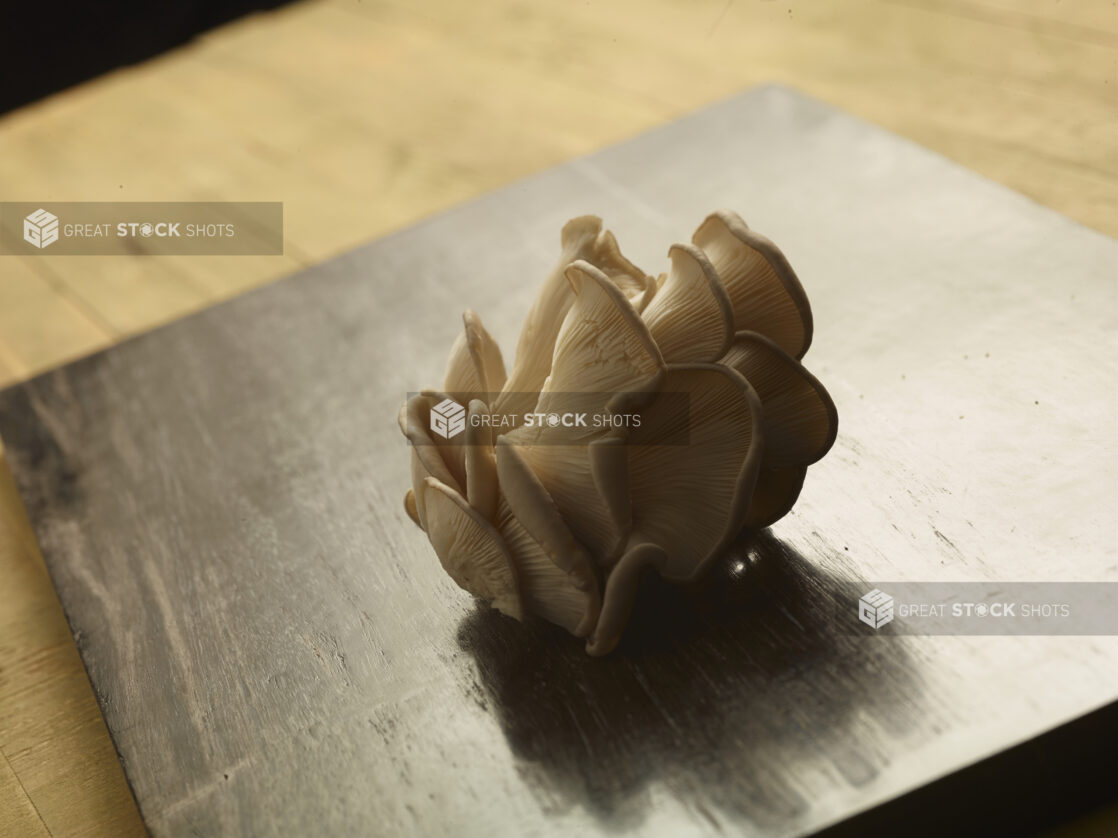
(561, 522)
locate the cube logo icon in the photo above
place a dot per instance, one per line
(40, 228)
(875, 608)
(448, 418)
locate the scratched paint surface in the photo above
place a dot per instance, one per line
(276, 650)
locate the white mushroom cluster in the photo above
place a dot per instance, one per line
(561, 522)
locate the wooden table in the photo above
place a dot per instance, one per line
(274, 647)
(1023, 94)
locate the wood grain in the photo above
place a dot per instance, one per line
(59, 774)
(396, 110)
(275, 648)
(414, 108)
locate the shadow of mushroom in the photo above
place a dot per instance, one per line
(734, 696)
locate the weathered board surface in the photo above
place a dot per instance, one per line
(276, 650)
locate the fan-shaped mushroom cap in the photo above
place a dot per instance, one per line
(475, 368)
(411, 508)
(533, 505)
(691, 499)
(774, 495)
(765, 294)
(546, 589)
(800, 418)
(621, 591)
(690, 317)
(582, 239)
(603, 348)
(427, 459)
(481, 463)
(641, 300)
(470, 549)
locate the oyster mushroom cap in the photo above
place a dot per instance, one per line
(621, 592)
(411, 508)
(641, 300)
(453, 453)
(547, 590)
(475, 367)
(534, 507)
(603, 348)
(607, 257)
(582, 239)
(690, 318)
(774, 495)
(691, 499)
(765, 294)
(426, 457)
(470, 549)
(481, 463)
(800, 419)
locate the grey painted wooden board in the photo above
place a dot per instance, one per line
(276, 650)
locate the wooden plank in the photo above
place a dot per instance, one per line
(1094, 22)
(276, 649)
(58, 773)
(397, 111)
(16, 809)
(11, 368)
(41, 325)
